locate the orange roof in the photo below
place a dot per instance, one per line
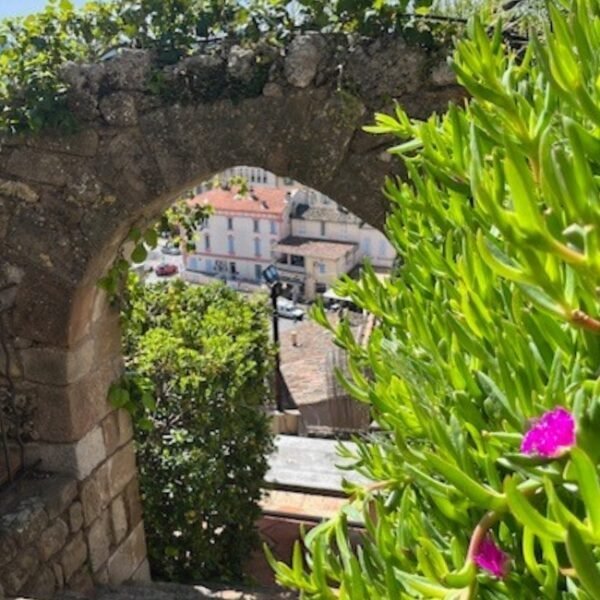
(261, 201)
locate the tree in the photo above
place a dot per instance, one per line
(485, 361)
(197, 360)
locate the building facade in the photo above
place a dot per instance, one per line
(236, 241)
(310, 238)
(331, 222)
(311, 266)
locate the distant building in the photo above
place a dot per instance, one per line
(311, 239)
(237, 240)
(313, 265)
(334, 223)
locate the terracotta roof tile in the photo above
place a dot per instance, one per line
(262, 201)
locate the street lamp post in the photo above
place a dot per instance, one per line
(271, 276)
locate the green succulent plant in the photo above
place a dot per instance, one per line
(483, 369)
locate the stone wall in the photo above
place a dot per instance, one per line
(60, 533)
(67, 203)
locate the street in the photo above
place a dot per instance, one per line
(156, 257)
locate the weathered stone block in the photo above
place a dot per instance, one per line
(142, 574)
(303, 58)
(99, 540)
(76, 517)
(82, 583)
(59, 493)
(121, 469)
(101, 577)
(41, 585)
(95, 494)
(81, 143)
(15, 575)
(118, 519)
(119, 109)
(26, 522)
(58, 576)
(48, 166)
(41, 294)
(133, 503)
(53, 539)
(240, 64)
(8, 548)
(442, 75)
(78, 459)
(73, 556)
(65, 414)
(117, 429)
(126, 560)
(57, 366)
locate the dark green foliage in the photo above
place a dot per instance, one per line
(197, 360)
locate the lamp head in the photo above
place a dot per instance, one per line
(271, 275)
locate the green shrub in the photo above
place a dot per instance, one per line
(485, 361)
(198, 360)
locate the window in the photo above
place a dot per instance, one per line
(323, 228)
(230, 245)
(252, 176)
(256, 224)
(322, 268)
(207, 243)
(264, 177)
(273, 227)
(296, 261)
(257, 272)
(256, 246)
(229, 223)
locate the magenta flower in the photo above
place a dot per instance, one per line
(492, 559)
(551, 435)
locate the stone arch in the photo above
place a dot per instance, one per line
(68, 201)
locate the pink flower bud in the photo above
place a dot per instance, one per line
(492, 559)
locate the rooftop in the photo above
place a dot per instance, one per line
(261, 201)
(313, 248)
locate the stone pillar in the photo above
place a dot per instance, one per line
(64, 379)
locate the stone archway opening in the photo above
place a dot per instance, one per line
(300, 221)
(67, 203)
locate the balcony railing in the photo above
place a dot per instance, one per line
(282, 266)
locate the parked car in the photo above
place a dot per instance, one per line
(165, 270)
(170, 248)
(288, 310)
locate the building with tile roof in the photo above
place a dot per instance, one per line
(236, 241)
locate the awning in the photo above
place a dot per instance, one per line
(331, 295)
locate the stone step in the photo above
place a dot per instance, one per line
(173, 591)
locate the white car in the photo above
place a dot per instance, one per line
(288, 310)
